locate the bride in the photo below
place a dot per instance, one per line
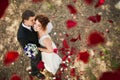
(49, 57)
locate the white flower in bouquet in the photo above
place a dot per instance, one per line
(31, 50)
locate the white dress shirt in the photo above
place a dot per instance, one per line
(27, 27)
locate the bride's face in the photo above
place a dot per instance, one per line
(37, 26)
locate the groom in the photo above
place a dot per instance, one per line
(26, 35)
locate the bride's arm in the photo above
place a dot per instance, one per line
(48, 44)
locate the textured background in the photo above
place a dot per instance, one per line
(58, 13)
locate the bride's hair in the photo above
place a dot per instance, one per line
(43, 20)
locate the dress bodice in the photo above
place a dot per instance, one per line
(42, 39)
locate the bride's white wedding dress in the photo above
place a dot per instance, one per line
(51, 61)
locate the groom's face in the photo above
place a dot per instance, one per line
(30, 21)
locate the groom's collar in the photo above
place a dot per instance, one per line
(29, 28)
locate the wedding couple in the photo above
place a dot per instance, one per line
(35, 29)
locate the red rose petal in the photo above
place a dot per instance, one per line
(72, 9)
(66, 35)
(10, 57)
(110, 76)
(73, 51)
(65, 44)
(95, 19)
(74, 1)
(63, 65)
(15, 77)
(3, 5)
(55, 50)
(64, 58)
(35, 1)
(83, 56)
(71, 24)
(72, 72)
(110, 21)
(89, 2)
(100, 2)
(75, 39)
(95, 38)
(41, 66)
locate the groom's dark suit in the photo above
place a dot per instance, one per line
(26, 36)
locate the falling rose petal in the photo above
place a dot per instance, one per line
(10, 57)
(95, 19)
(36, 1)
(110, 21)
(83, 56)
(65, 44)
(41, 66)
(100, 2)
(89, 2)
(95, 38)
(72, 9)
(110, 76)
(15, 77)
(3, 6)
(71, 24)
(72, 72)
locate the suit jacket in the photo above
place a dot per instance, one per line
(26, 36)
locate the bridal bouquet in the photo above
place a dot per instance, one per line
(30, 50)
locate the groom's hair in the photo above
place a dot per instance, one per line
(27, 14)
(44, 20)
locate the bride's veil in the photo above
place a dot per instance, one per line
(49, 27)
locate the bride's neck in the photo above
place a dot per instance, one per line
(41, 33)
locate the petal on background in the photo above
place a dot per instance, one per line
(72, 72)
(71, 24)
(65, 44)
(66, 35)
(15, 77)
(64, 57)
(63, 65)
(95, 19)
(110, 21)
(100, 2)
(3, 6)
(35, 1)
(75, 39)
(73, 51)
(72, 9)
(10, 57)
(74, 1)
(41, 66)
(83, 56)
(95, 38)
(89, 2)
